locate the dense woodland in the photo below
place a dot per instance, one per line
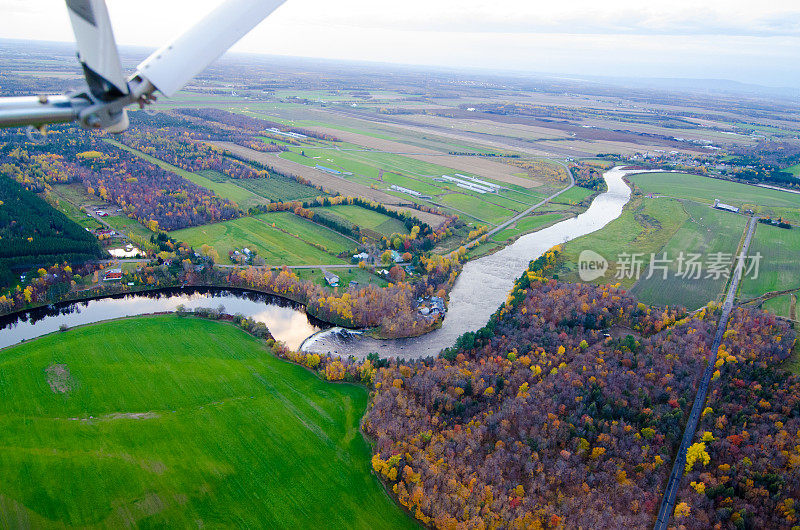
(32, 233)
(541, 420)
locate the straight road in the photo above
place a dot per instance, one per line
(519, 216)
(671, 493)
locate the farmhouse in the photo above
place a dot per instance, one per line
(112, 275)
(332, 279)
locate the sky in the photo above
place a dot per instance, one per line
(752, 42)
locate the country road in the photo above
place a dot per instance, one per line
(671, 493)
(519, 216)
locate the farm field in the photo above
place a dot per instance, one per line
(126, 225)
(276, 247)
(779, 268)
(279, 188)
(644, 227)
(72, 211)
(309, 231)
(208, 430)
(527, 224)
(705, 190)
(574, 195)
(477, 208)
(363, 277)
(781, 305)
(366, 218)
(706, 232)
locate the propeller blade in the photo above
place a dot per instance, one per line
(175, 64)
(97, 49)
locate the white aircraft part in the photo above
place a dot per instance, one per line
(172, 66)
(97, 48)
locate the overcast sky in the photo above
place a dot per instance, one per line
(756, 42)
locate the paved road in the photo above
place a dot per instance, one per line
(668, 502)
(519, 216)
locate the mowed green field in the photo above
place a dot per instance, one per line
(706, 232)
(574, 195)
(779, 269)
(118, 424)
(525, 225)
(644, 227)
(705, 190)
(782, 305)
(366, 218)
(276, 247)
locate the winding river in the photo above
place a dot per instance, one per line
(479, 290)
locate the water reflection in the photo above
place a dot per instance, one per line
(286, 320)
(484, 283)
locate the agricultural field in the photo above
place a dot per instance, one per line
(645, 226)
(279, 188)
(527, 224)
(353, 273)
(209, 430)
(574, 195)
(309, 231)
(366, 218)
(128, 226)
(73, 212)
(257, 233)
(705, 189)
(779, 269)
(706, 232)
(782, 305)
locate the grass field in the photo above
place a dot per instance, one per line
(779, 268)
(706, 232)
(705, 190)
(574, 195)
(75, 214)
(115, 425)
(781, 305)
(525, 225)
(366, 218)
(475, 207)
(279, 188)
(794, 170)
(644, 227)
(276, 247)
(363, 277)
(126, 225)
(309, 231)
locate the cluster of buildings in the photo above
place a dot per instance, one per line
(432, 306)
(289, 134)
(471, 183)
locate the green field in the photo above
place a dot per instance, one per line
(75, 214)
(209, 430)
(477, 208)
(644, 227)
(279, 188)
(705, 190)
(366, 218)
(525, 225)
(276, 247)
(706, 232)
(794, 170)
(574, 195)
(126, 225)
(363, 277)
(309, 231)
(779, 269)
(781, 305)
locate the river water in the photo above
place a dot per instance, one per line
(286, 320)
(484, 283)
(479, 290)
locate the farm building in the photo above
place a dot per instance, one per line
(407, 191)
(332, 279)
(112, 275)
(727, 207)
